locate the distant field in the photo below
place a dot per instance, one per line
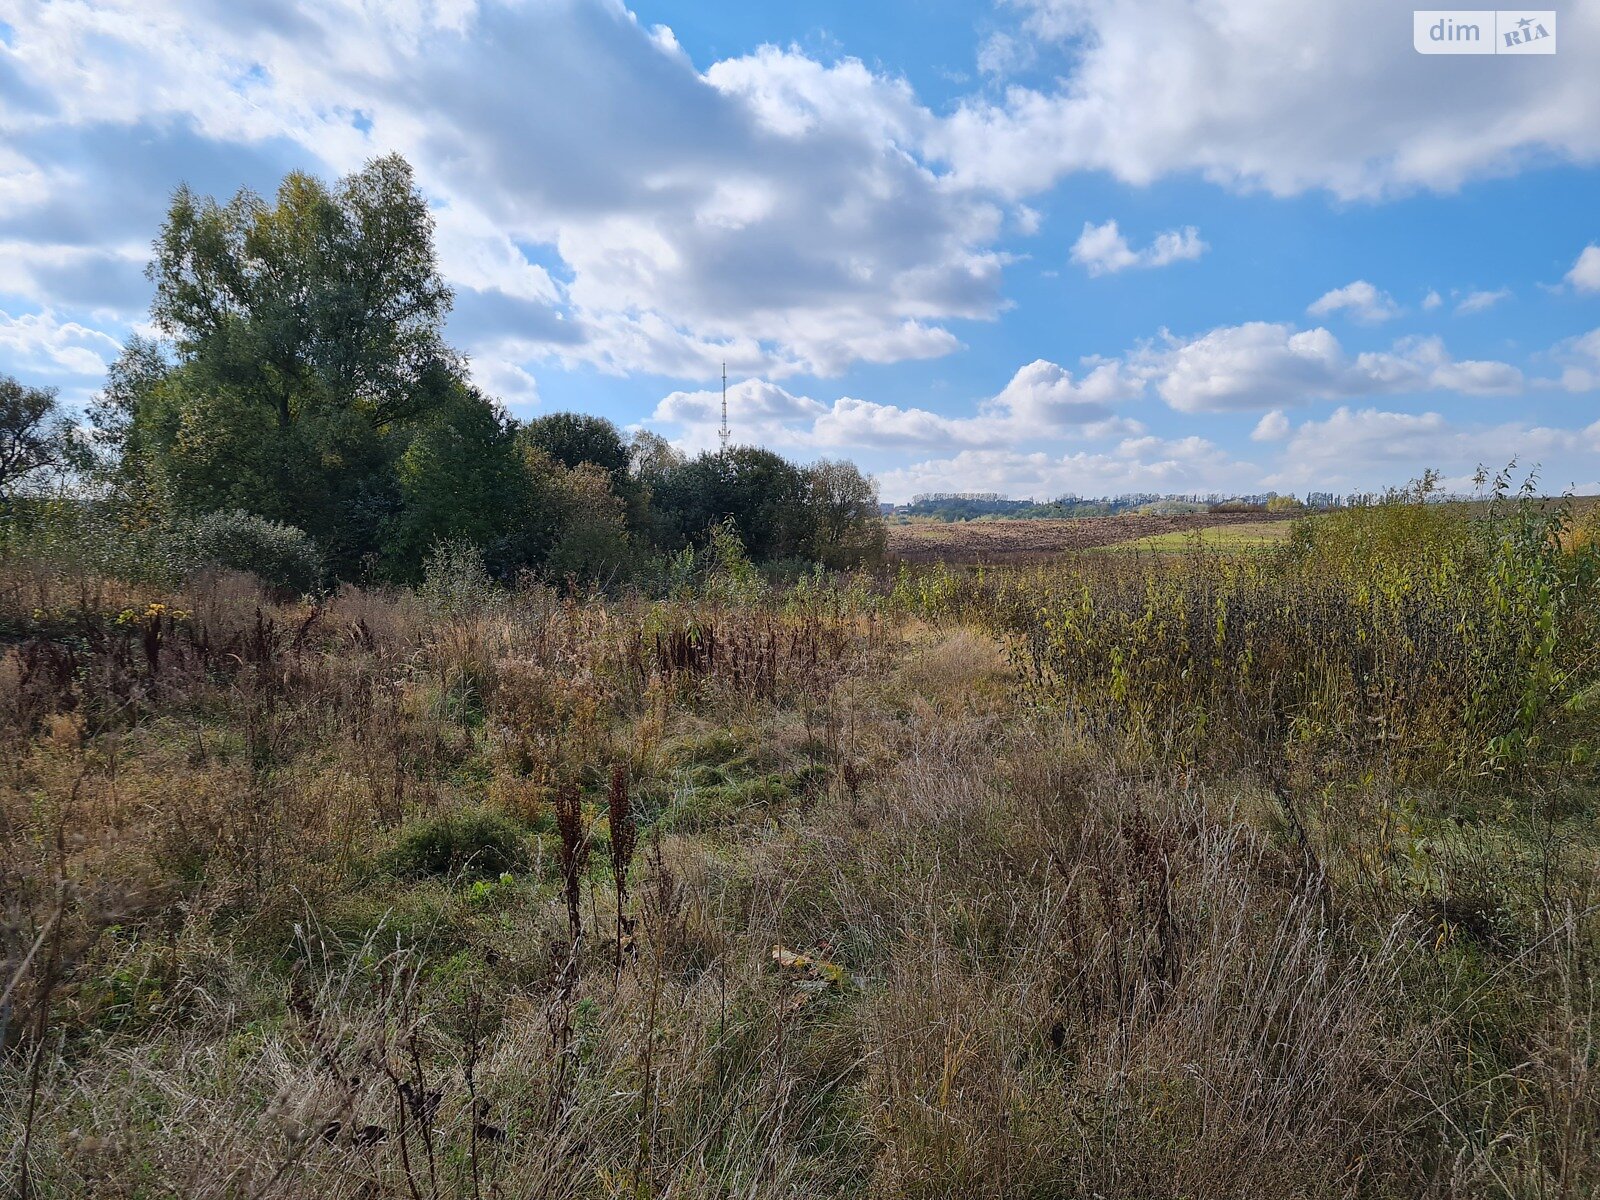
(1246, 535)
(928, 541)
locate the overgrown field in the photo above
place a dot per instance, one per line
(1262, 875)
(1025, 541)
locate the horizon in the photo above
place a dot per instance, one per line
(969, 247)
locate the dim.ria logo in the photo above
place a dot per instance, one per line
(1484, 31)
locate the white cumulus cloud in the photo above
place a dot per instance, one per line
(1360, 299)
(600, 200)
(42, 344)
(1273, 427)
(1043, 400)
(1241, 92)
(1371, 447)
(1585, 273)
(1476, 302)
(1265, 365)
(1102, 250)
(1133, 464)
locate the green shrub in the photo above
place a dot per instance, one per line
(473, 845)
(278, 554)
(72, 536)
(1422, 640)
(730, 577)
(455, 578)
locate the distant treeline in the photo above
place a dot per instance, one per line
(302, 395)
(953, 507)
(962, 508)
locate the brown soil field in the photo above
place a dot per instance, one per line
(1033, 541)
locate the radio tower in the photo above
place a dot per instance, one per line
(723, 432)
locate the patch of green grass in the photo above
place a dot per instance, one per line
(710, 800)
(470, 845)
(1247, 535)
(423, 915)
(724, 751)
(720, 776)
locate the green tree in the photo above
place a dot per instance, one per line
(35, 437)
(591, 541)
(327, 296)
(846, 526)
(461, 479)
(309, 353)
(652, 459)
(115, 411)
(305, 381)
(578, 439)
(761, 492)
(573, 439)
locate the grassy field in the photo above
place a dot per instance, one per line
(1214, 875)
(1021, 542)
(1240, 535)
(1004, 542)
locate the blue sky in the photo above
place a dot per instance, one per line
(1031, 246)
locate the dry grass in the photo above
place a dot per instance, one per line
(1009, 962)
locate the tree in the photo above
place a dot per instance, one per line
(652, 458)
(578, 439)
(846, 526)
(35, 438)
(305, 380)
(309, 355)
(573, 439)
(461, 479)
(136, 373)
(592, 535)
(766, 497)
(325, 297)
(761, 492)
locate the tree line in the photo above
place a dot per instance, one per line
(302, 387)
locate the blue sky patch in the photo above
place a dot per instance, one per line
(1032, 247)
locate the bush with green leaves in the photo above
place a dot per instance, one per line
(730, 576)
(1427, 642)
(468, 846)
(281, 555)
(75, 536)
(455, 579)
